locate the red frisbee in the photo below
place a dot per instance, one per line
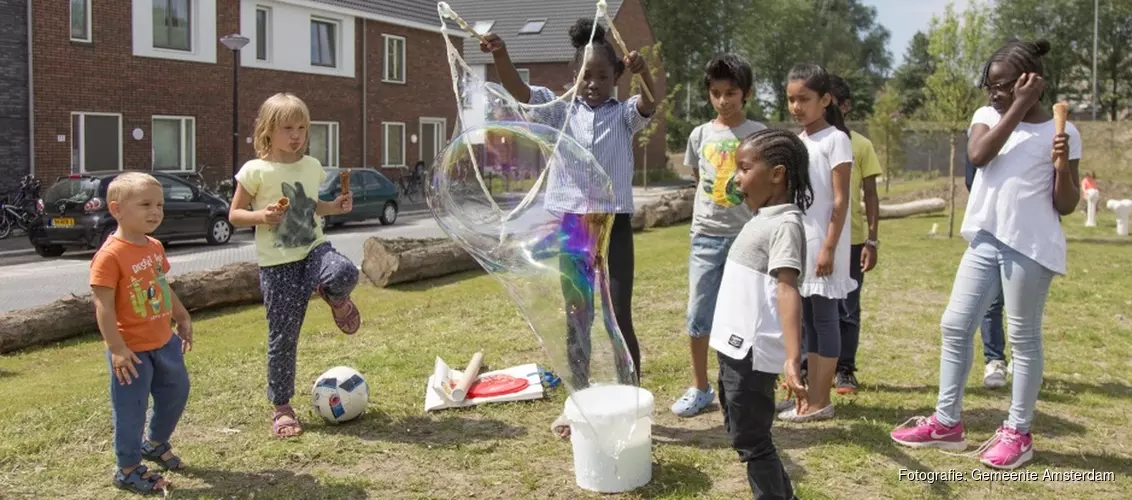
(496, 385)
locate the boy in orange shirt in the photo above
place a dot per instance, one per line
(134, 306)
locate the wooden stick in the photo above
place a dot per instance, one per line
(1060, 115)
(625, 50)
(451, 14)
(470, 373)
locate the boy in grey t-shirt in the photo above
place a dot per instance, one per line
(718, 212)
(757, 331)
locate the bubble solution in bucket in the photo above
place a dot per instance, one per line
(613, 441)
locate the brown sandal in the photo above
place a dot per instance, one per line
(345, 312)
(278, 427)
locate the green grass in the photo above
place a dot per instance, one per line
(56, 433)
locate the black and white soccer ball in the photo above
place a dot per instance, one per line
(340, 394)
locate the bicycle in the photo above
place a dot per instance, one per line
(21, 209)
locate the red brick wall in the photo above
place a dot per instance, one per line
(105, 77)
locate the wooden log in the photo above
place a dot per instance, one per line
(390, 261)
(74, 315)
(918, 207)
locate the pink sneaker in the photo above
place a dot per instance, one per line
(927, 432)
(1008, 449)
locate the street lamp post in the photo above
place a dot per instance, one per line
(1096, 26)
(235, 42)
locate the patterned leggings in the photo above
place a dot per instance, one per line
(286, 290)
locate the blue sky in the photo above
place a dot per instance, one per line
(904, 18)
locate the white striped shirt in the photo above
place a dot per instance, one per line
(607, 133)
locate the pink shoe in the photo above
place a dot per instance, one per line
(1008, 449)
(927, 432)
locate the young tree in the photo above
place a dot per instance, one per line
(644, 137)
(886, 130)
(959, 48)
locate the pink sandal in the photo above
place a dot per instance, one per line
(345, 312)
(277, 427)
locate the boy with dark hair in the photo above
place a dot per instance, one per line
(719, 213)
(863, 240)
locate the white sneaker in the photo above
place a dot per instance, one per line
(994, 376)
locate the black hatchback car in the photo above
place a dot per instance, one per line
(75, 214)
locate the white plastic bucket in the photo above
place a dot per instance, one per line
(617, 421)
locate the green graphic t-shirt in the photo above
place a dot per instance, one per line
(301, 228)
(719, 208)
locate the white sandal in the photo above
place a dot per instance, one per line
(558, 425)
(792, 415)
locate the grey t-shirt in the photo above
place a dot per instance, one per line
(773, 239)
(719, 208)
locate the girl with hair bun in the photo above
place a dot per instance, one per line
(1015, 244)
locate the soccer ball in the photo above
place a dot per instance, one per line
(340, 394)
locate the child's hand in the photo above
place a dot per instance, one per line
(825, 262)
(868, 258)
(185, 331)
(794, 382)
(344, 203)
(636, 63)
(272, 215)
(122, 359)
(1060, 148)
(1028, 89)
(493, 43)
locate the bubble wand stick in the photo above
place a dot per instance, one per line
(603, 9)
(447, 11)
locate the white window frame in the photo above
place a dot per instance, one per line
(483, 27)
(185, 167)
(89, 28)
(194, 26)
(525, 75)
(332, 142)
(268, 18)
(385, 126)
(386, 39)
(336, 43)
(441, 140)
(528, 22)
(81, 137)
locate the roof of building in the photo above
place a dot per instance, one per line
(420, 14)
(507, 17)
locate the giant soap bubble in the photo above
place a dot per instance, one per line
(526, 199)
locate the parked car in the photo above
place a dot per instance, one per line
(375, 196)
(75, 214)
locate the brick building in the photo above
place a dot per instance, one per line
(15, 131)
(536, 33)
(145, 84)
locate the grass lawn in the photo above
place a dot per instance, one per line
(56, 432)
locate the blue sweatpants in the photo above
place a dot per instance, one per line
(161, 374)
(287, 289)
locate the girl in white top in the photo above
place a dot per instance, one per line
(1016, 243)
(827, 279)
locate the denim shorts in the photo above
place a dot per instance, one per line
(705, 271)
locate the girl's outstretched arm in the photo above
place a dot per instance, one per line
(636, 63)
(508, 75)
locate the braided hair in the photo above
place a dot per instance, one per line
(580, 36)
(815, 78)
(781, 147)
(1026, 57)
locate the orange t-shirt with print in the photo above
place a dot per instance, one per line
(142, 299)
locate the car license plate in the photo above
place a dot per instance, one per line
(62, 222)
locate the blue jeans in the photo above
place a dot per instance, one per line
(705, 272)
(988, 265)
(994, 337)
(161, 374)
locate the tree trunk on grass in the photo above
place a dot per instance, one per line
(391, 261)
(232, 284)
(951, 174)
(911, 208)
(62, 319)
